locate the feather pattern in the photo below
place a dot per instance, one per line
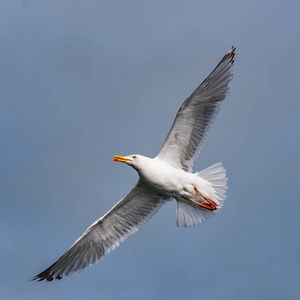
(106, 234)
(195, 116)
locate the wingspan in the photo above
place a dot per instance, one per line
(195, 116)
(106, 234)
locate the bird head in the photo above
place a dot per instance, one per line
(131, 160)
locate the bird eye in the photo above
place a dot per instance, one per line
(133, 156)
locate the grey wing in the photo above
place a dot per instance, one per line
(106, 234)
(195, 116)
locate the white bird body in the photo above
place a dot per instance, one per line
(164, 178)
(199, 195)
(168, 180)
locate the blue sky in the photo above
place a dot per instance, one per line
(82, 81)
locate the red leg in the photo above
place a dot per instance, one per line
(204, 205)
(209, 200)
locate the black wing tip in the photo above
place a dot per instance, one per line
(48, 274)
(230, 55)
(47, 277)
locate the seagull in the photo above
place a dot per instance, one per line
(199, 195)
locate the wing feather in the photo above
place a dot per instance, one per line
(106, 234)
(195, 116)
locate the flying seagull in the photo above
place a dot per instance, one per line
(169, 175)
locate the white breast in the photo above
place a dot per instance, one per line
(164, 178)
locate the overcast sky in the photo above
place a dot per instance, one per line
(81, 81)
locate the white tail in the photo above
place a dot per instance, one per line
(191, 215)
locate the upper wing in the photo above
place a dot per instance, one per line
(195, 116)
(106, 234)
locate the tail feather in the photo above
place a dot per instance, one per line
(192, 215)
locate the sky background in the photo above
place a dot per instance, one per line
(81, 81)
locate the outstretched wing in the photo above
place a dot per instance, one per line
(106, 234)
(195, 116)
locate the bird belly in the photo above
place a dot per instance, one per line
(169, 181)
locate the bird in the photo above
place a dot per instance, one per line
(199, 196)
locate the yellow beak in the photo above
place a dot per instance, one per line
(121, 158)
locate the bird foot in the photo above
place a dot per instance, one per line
(209, 200)
(203, 205)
